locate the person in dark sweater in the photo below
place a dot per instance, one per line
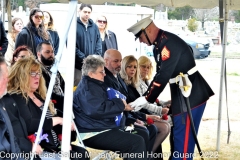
(88, 40)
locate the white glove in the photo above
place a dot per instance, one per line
(139, 103)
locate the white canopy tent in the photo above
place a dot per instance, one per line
(70, 30)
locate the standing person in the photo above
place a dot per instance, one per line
(109, 40)
(49, 26)
(3, 39)
(173, 56)
(88, 40)
(46, 57)
(8, 143)
(17, 25)
(34, 32)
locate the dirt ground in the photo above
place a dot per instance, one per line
(210, 68)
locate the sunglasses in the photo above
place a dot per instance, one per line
(39, 17)
(100, 21)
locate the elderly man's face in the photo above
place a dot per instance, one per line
(3, 80)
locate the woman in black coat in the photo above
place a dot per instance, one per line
(27, 87)
(109, 40)
(34, 32)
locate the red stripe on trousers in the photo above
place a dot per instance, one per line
(186, 137)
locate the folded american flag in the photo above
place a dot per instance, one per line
(112, 93)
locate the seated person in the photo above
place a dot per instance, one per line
(27, 87)
(95, 113)
(8, 143)
(46, 56)
(19, 53)
(130, 74)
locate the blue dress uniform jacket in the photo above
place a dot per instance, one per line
(173, 56)
(93, 110)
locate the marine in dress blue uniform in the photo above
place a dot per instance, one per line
(173, 56)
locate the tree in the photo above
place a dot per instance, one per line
(236, 15)
(206, 14)
(192, 24)
(32, 3)
(180, 13)
(9, 14)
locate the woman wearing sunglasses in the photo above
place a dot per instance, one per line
(49, 26)
(109, 40)
(34, 32)
(17, 26)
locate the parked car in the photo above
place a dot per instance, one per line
(200, 48)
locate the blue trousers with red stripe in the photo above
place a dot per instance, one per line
(183, 140)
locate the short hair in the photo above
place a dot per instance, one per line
(143, 60)
(39, 46)
(125, 62)
(18, 50)
(19, 79)
(2, 61)
(91, 64)
(85, 5)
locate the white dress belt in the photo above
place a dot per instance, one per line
(190, 72)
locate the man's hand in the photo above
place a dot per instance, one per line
(139, 103)
(153, 117)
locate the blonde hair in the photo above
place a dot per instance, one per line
(143, 60)
(125, 62)
(19, 76)
(106, 26)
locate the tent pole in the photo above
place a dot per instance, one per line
(68, 95)
(224, 43)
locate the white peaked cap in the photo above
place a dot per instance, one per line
(140, 25)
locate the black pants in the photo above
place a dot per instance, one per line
(78, 153)
(129, 146)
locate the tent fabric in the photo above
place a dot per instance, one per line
(233, 4)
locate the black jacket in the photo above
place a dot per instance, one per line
(3, 39)
(88, 42)
(6, 132)
(173, 56)
(120, 85)
(26, 37)
(55, 40)
(18, 124)
(110, 41)
(93, 110)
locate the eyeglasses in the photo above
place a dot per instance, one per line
(35, 74)
(100, 21)
(39, 17)
(23, 56)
